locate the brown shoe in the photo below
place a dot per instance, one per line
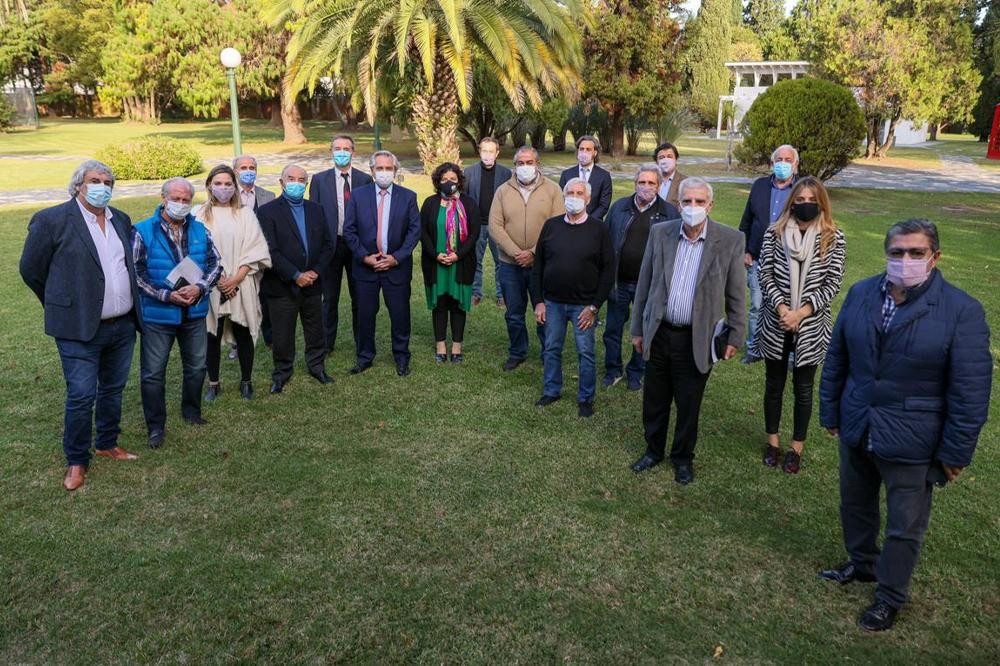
(118, 453)
(792, 462)
(75, 475)
(771, 455)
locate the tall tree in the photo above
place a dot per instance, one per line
(708, 38)
(987, 48)
(766, 18)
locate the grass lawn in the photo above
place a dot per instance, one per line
(443, 518)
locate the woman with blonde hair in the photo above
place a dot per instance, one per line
(801, 271)
(235, 314)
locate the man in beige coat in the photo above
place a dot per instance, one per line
(520, 208)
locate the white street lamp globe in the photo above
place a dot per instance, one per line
(230, 58)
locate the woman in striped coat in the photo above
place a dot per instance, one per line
(801, 271)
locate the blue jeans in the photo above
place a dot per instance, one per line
(618, 310)
(514, 282)
(484, 240)
(95, 372)
(157, 339)
(557, 315)
(756, 298)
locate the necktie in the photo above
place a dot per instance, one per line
(347, 187)
(586, 175)
(378, 229)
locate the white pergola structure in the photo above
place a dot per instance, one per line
(752, 79)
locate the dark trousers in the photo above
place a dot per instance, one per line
(619, 306)
(244, 350)
(514, 282)
(908, 503)
(285, 311)
(672, 377)
(332, 280)
(96, 372)
(397, 301)
(154, 352)
(448, 306)
(774, 389)
(265, 320)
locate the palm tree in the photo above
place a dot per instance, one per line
(532, 47)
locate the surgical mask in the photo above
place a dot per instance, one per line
(177, 210)
(341, 157)
(782, 170)
(693, 215)
(526, 173)
(98, 195)
(488, 160)
(584, 158)
(666, 164)
(575, 205)
(645, 193)
(295, 191)
(384, 178)
(223, 193)
(248, 177)
(805, 212)
(906, 272)
(448, 188)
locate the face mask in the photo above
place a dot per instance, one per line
(488, 160)
(584, 158)
(805, 212)
(526, 173)
(248, 177)
(98, 195)
(575, 205)
(906, 272)
(667, 164)
(223, 193)
(645, 193)
(782, 170)
(295, 191)
(341, 157)
(693, 215)
(177, 210)
(384, 178)
(448, 188)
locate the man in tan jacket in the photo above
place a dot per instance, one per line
(520, 208)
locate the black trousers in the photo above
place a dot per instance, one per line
(776, 374)
(397, 301)
(244, 350)
(265, 320)
(908, 495)
(446, 305)
(332, 280)
(285, 310)
(672, 377)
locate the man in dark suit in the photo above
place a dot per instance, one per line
(691, 275)
(300, 245)
(382, 228)
(77, 260)
(588, 150)
(481, 182)
(254, 196)
(332, 190)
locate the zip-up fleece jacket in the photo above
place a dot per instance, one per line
(514, 224)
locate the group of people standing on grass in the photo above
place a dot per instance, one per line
(907, 367)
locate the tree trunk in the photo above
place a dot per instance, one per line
(616, 120)
(871, 144)
(395, 132)
(890, 137)
(291, 120)
(559, 140)
(275, 121)
(934, 131)
(632, 137)
(537, 133)
(435, 119)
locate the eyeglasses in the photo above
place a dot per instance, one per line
(913, 252)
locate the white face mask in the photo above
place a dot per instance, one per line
(575, 205)
(584, 158)
(667, 164)
(526, 173)
(177, 210)
(693, 215)
(384, 178)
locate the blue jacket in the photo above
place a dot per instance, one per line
(919, 392)
(160, 261)
(361, 221)
(620, 218)
(757, 215)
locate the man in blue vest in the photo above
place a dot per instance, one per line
(172, 311)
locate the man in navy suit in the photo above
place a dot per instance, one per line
(78, 260)
(382, 227)
(332, 189)
(588, 150)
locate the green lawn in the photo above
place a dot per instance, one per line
(443, 518)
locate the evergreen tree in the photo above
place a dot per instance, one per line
(709, 36)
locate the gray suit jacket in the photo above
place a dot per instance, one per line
(262, 196)
(474, 176)
(720, 290)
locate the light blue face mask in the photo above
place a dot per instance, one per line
(782, 170)
(295, 191)
(98, 194)
(341, 158)
(248, 177)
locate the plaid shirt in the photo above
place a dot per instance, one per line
(889, 306)
(178, 243)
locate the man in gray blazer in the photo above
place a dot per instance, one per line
(253, 196)
(481, 182)
(692, 275)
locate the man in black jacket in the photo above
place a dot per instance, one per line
(588, 150)
(481, 182)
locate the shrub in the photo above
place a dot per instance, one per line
(820, 118)
(6, 114)
(151, 158)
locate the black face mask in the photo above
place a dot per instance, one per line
(448, 188)
(805, 212)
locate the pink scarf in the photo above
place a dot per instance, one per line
(454, 220)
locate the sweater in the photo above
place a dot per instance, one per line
(514, 223)
(574, 263)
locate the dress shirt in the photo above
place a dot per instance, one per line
(383, 242)
(640, 208)
(580, 221)
(665, 186)
(680, 299)
(340, 199)
(111, 252)
(178, 244)
(585, 172)
(779, 195)
(248, 198)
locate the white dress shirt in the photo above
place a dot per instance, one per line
(340, 200)
(665, 186)
(585, 172)
(111, 251)
(383, 242)
(248, 198)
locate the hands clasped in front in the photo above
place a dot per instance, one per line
(381, 262)
(185, 296)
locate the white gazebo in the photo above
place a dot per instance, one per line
(752, 79)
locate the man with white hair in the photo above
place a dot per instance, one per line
(77, 259)
(251, 195)
(767, 199)
(173, 308)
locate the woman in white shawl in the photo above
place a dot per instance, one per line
(235, 314)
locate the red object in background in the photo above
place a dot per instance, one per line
(993, 151)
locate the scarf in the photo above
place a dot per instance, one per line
(456, 226)
(799, 250)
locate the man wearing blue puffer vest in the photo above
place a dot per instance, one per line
(161, 243)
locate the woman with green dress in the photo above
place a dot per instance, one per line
(449, 229)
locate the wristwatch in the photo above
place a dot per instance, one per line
(592, 308)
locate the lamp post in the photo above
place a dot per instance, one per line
(231, 59)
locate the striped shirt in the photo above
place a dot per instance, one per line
(680, 299)
(178, 243)
(888, 306)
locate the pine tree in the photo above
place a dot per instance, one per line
(709, 36)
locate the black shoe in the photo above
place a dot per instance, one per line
(246, 390)
(440, 358)
(156, 438)
(321, 377)
(195, 420)
(512, 363)
(403, 369)
(645, 462)
(277, 386)
(359, 368)
(213, 392)
(585, 409)
(683, 473)
(847, 573)
(878, 617)
(546, 400)
(456, 358)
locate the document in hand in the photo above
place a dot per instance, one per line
(720, 339)
(185, 273)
